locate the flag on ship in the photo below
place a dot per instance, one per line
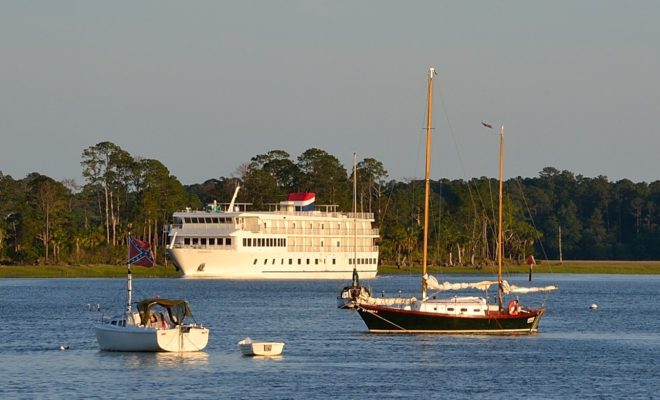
(140, 253)
(302, 201)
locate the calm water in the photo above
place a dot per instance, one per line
(613, 352)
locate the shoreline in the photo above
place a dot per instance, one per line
(545, 267)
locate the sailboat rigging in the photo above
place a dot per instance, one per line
(467, 314)
(349, 294)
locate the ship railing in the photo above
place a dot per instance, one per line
(331, 249)
(319, 231)
(331, 214)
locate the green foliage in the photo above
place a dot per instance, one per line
(44, 221)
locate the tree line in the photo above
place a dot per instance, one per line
(557, 214)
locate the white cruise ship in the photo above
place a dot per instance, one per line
(293, 240)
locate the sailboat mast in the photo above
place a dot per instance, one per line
(354, 213)
(427, 179)
(499, 226)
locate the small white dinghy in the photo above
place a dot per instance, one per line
(251, 348)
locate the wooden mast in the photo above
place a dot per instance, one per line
(499, 227)
(355, 283)
(427, 175)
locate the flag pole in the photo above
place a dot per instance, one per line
(129, 278)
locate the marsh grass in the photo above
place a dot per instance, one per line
(553, 267)
(85, 271)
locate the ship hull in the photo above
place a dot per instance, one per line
(231, 264)
(392, 320)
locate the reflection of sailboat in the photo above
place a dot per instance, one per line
(158, 325)
(456, 314)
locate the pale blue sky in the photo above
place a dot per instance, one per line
(203, 86)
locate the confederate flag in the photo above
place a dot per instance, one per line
(139, 253)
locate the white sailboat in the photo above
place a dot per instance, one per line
(158, 325)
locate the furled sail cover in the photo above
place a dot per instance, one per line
(518, 289)
(433, 284)
(385, 301)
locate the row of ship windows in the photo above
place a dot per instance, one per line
(363, 261)
(316, 261)
(205, 220)
(226, 241)
(264, 242)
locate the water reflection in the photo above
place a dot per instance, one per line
(158, 360)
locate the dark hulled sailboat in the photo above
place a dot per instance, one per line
(470, 314)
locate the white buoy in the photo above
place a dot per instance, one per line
(593, 306)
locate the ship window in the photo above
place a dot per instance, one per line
(299, 261)
(476, 310)
(186, 241)
(322, 225)
(450, 308)
(244, 242)
(227, 241)
(308, 261)
(273, 261)
(255, 262)
(215, 220)
(209, 220)
(195, 241)
(202, 241)
(282, 262)
(337, 243)
(316, 261)
(321, 243)
(334, 261)
(350, 261)
(290, 261)
(186, 220)
(463, 309)
(265, 261)
(211, 241)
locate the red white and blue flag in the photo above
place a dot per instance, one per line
(303, 201)
(139, 253)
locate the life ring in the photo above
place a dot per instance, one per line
(514, 308)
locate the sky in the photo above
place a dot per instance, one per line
(204, 86)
